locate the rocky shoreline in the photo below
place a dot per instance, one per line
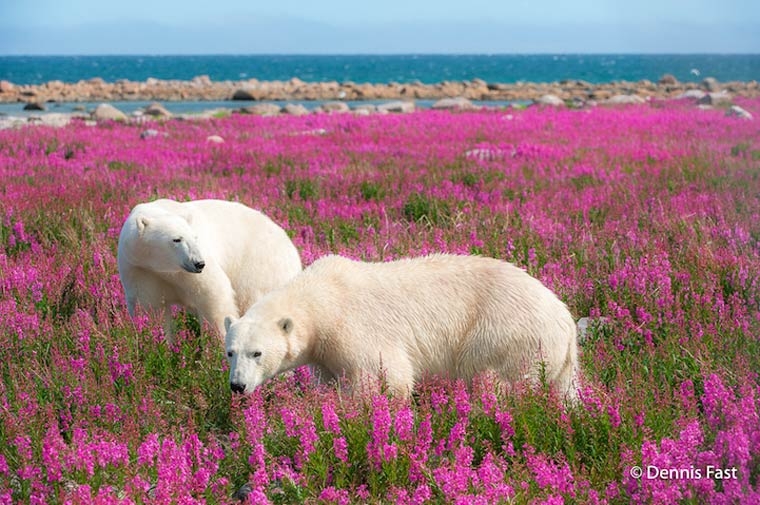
(202, 88)
(253, 97)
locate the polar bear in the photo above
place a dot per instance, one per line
(441, 314)
(212, 257)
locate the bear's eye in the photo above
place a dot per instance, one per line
(177, 240)
(229, 354)
(254, 354)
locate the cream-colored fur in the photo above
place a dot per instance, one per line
(242, 253)
(441, 314)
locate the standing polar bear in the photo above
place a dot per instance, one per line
(441, 314)
(212, 257)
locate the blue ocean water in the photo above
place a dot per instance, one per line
(383, 68)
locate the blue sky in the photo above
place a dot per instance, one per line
(389, 26)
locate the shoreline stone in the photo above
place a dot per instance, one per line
(202, 88)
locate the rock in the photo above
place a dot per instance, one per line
(488, 154)
(458, 103)
(585, 323)
(157, 110)
(710, 84)
(262, 109)
(35, 106)
(149, 134)
(497, 86)
(623, 100)
(56, 120)
(737, 111)
(6, 87)
(576, 102)
(79, 108)
(398, 106)
(366, 109)
(551, 100)
(668, 80)
(317, 132)
(716, 99)
(249, 94)
(215, 139)
(242, 493)
(693, 94)
(335, 107)
(295, 109)
(201, 81)
(105, 112)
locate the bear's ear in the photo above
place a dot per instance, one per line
(286, 325)
(229, 321)
(142, 222)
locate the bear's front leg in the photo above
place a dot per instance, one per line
(215, 297)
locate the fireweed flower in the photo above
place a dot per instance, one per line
(330, 418)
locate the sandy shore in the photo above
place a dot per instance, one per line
(204, 89)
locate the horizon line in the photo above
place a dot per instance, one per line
(410, 54)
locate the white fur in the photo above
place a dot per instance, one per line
(162, 242)
(441, 314)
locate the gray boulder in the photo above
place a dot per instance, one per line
(716, 99)
(149, 134)
(295, 109)
(397, 106)
(668, 80)
(335, 107)
(458, 103)
(585, 324)
(366, 109)
(157, 110)
(711, 84)
(549, 100)
(737, 111)
(692, 94)
(262, 109)
(35, 106)
(623, 100)
(106, 111)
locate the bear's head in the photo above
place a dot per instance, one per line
(169, 244)
(259, 345)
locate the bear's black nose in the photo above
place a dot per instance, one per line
(199, 265)
(237, 388)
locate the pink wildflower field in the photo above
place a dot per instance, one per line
(644, 218)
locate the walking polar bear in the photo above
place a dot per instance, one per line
(442, 314)
(212, 257)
